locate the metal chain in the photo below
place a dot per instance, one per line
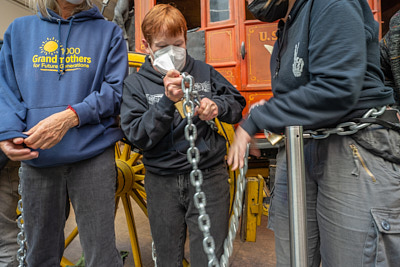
(154, 254)
(196, 179)
(345, 128)
(21, 239)
(104, 4)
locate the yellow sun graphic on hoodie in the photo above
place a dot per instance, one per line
(49, 47)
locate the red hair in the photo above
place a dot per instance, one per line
(163, 18)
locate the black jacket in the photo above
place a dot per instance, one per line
(324, 67)
(151, 122)
(390, 56)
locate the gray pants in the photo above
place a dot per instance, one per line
(8, 204)
(90, 185)
(171, 211)
(353, 202)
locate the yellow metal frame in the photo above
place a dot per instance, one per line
(253, 208)
(135, 59)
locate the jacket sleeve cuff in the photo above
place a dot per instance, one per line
(82, 110)
(249, 126)
(11, 135)
(167, 105)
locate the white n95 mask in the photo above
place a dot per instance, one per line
(169, 58)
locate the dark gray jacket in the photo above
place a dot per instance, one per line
(324, 66)
(151, 122)
(390, 56)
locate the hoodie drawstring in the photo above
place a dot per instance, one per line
(59, 47)
(280, 46)
(60, 73)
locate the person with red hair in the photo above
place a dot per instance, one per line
(151, 122)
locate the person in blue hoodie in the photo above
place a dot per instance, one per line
(151, 121)
(326, 77)
(61, 80)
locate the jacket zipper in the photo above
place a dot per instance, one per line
(358, 159)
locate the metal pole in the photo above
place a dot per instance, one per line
(297, 196)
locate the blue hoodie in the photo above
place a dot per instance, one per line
(37, 80)
(325, 67)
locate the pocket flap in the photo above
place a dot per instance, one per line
(387, 220)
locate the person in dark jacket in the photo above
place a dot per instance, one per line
(61, 80)
(151, 121)
(325, 77)
(390, 56)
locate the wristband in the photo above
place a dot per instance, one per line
(71, 108)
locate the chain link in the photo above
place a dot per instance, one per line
(153, 254)
(344, 128)
(196, 178)
(21, 239)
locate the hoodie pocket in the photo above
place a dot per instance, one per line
(382, 246)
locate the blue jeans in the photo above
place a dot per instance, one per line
(171, 211)
(90, 185)
(9, 197)
(353, 202)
